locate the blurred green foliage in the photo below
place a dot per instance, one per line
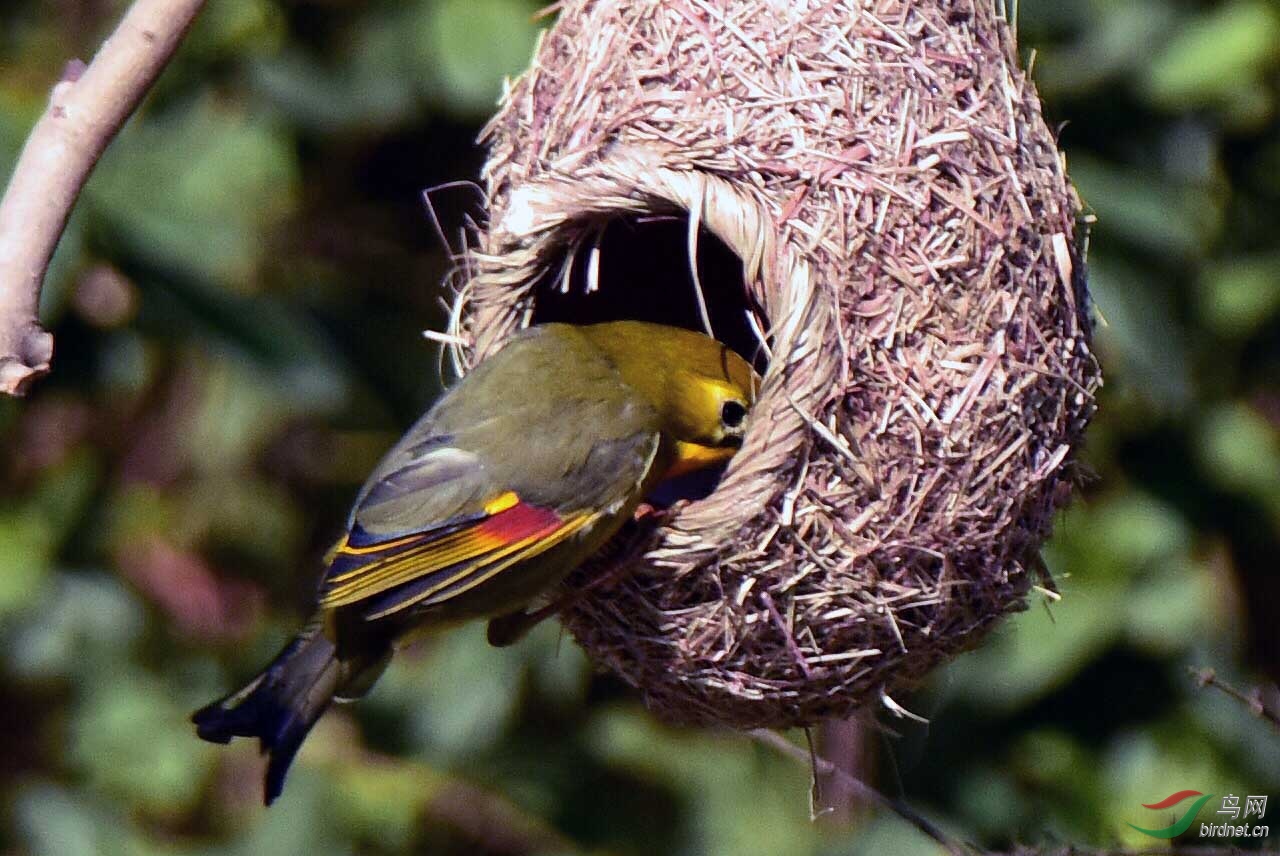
(238, 302)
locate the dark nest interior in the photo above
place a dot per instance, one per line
(638, 268)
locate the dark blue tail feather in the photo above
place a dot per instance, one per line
(279, 706)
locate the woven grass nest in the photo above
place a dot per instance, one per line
(870, 204)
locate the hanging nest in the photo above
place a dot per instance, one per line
(868, 200)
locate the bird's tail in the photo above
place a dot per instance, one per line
(280, 705)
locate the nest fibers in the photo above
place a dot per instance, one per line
(910, 260)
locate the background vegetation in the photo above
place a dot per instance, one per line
(238, 305)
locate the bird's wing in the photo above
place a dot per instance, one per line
(431, 566)
(387, 568)
(474, 488)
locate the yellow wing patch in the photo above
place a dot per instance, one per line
(501, 502)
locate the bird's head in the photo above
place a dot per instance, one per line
(703, 391)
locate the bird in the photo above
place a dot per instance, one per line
(519, 473)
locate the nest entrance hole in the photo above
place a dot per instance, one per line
(638, 268)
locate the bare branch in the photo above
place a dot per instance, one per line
(86, 110)
(861, 789)
(911, 816)
(1253, 700)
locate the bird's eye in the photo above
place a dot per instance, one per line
(733, 413)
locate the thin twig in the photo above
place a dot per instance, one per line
(1252, 700)
(862, 790)
(86, 110)
(859, 788)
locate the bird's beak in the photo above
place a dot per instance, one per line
(691, 457)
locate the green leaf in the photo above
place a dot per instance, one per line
(238, 412)
(1149, 208)
(1241, 451)
(65, 491)
(1213, 57)
(57, 822)
(17, 115)
(1238, 297)
(26, 550)
(372, 84)
(88, 619)
(236, 28)
(68, 260)
(138, 512)
(559, 667)
(254, 516)
(31, 533)
(198, 189)
(472, 45)
(991, 801)
(382, 803)
(1105, 48)
(1042, 649)
(1141, 340)
(462, 694)
(132, 740)
(718, 775)
(1135, 529)
(1173, 607)
(301, 821)
(887, 833)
